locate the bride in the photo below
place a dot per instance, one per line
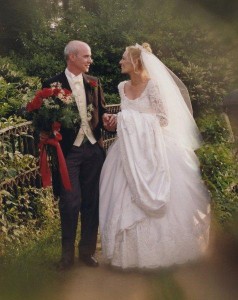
(154, 207)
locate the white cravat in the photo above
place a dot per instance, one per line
(77, 87)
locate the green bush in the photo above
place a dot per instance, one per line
(219, 167)
(13, 164)
(26, 215)
(11, 121)
(213, 128)
(219, 171)
(112, 98)
(15, 88)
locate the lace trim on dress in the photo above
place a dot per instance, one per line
(158, 105)
(141, 246)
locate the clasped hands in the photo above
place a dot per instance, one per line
(109, 121)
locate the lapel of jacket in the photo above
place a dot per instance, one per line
(64, 81)
(88, 90)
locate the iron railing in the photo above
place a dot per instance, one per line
(21, 138)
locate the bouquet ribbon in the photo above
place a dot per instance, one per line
(44, 166)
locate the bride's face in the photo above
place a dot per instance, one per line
(126, 64)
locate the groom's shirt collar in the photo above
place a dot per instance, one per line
(71, 77)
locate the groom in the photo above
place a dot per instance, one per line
(84, 156)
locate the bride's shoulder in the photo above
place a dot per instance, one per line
(153, 89)
(153, 85)
(121, 85)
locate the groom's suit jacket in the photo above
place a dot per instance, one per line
(94, 96)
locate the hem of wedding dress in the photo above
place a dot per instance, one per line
(199, 254)
(158, 266)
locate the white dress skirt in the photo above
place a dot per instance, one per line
(154, 207)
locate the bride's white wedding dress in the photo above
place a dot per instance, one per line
(154, 207)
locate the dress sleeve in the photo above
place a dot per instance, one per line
(121, 88)
(158, 105)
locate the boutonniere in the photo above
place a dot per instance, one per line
(93, 84)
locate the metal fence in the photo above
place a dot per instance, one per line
(21, 138)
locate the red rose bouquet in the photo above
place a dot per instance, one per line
(52, 108)
(52, 105)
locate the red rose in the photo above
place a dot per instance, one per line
(93, 83)
(45, 93)
(67, 92)
(56, 91)
(34, 104)
(29, 107)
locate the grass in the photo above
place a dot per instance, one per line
(165, 287)
(29, 272)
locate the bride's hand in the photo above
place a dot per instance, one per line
(110, 122)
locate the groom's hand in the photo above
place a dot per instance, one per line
(109, 121)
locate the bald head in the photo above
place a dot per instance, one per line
(74, 47)
(78, 57)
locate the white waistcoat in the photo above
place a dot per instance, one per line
(77, 87)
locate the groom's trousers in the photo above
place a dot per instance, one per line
(84, 165)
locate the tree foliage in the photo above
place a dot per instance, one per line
(223, 8)
(15, 17)
(109, 27)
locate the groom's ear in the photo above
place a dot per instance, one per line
(72, 57)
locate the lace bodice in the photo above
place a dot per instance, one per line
(148, 102)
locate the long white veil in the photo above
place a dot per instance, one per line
(174, 94)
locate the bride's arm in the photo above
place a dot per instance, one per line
(158, 105)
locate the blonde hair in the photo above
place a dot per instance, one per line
(147, 47)
(134, 52)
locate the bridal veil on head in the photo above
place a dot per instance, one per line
(175, 97)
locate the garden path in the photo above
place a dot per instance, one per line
(211, 279)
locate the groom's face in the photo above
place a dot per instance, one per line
(82, 60)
